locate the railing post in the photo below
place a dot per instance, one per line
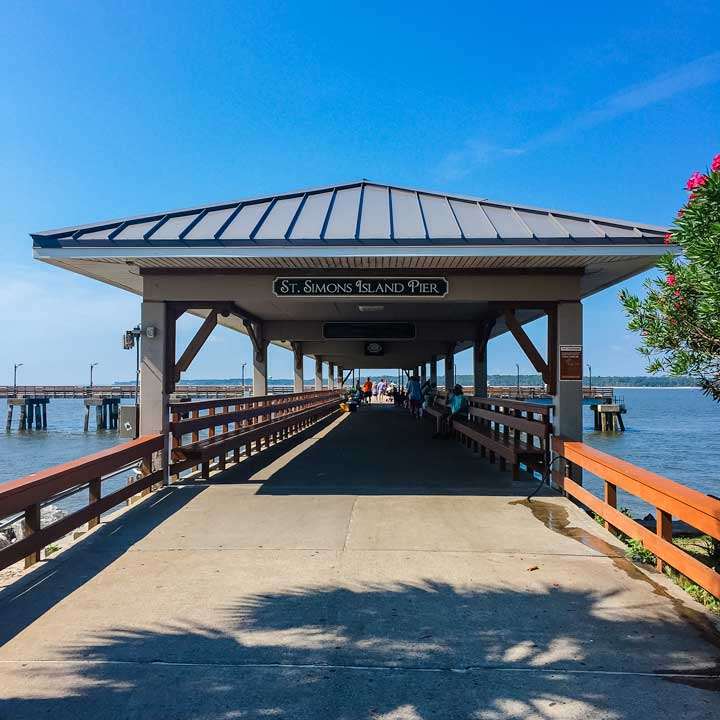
(611, 500)
(95, 491)
(663, 528)
(31, 523)
(175, 442)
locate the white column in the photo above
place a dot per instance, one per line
(318, 373)
(480, 368)
(260, 386)
(568, 397)
(155, 360)
(331, 376)
(298, 379)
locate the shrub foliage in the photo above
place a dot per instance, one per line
(679, 317)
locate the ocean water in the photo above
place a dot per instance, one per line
(674, 432)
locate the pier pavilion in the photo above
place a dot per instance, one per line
(296, 562)
(362, 275)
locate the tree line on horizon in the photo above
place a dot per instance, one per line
(501, 380)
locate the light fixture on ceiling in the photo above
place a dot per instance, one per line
(370, 308)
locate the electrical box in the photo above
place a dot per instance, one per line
(129, 421)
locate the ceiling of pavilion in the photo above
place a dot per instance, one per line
(359, 213)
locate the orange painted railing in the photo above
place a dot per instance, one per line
(670, 499)
(26, 496)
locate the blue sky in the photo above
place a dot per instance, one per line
(112, 109)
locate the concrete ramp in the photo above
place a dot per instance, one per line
(362, 571)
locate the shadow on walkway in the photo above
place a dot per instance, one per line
(392, 652)
(30, 597)
(381, 450)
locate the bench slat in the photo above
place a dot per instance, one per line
(485, 438)
(531, 427)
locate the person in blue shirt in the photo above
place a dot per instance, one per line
(414, 394)
(457, 404)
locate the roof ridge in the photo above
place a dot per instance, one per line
(209, 207)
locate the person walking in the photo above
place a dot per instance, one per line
(367, 390)
(428, 390)
(414, 394)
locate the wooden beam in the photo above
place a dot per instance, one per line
(526, 344)
(483, 336)
(255, 332)
(196, 344)
(224, 308)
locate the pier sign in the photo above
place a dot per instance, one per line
(360, 287)
(571, 362)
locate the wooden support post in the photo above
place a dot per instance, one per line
(44, 416)
(31, 522)
(22, 420)
(663, 528)
(611, 500)
(8, 424)
(95, 492)
(175, 441)
(449, 367)
(86, 419)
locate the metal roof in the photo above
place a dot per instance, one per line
(360, 213)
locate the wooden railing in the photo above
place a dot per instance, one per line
(26, 496)
(670, 499)
(128, 391)
(232, 425)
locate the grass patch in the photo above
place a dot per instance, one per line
(50, 549)
(695, 591)
(638, 552)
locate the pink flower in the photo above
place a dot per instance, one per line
(671, 279)
(677, 293)
(681, 212)
(668, 238)
(715, 166)
(696, 180)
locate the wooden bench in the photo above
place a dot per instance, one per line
(438, 411)
(515, 433)
(259, 420)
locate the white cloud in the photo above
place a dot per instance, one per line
(698, 73)
(473, 154)
(692, 75)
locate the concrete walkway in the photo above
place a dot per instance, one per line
(361, 571)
